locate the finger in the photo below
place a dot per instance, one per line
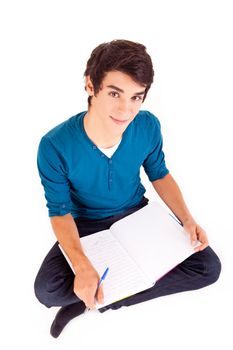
(100, 295)
(91, 306)
(203, 243)
(90, 303)
(201, 247)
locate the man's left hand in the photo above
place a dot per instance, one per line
(196, 232)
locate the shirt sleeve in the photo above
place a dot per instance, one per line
(52, 171)
(154, 164)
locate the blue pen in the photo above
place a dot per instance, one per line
(103, 276)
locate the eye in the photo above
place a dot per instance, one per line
(137, 98)
(114, 94)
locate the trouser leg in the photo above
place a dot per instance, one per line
(54, 282)
(199, 270)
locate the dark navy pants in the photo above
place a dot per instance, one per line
(54, 281)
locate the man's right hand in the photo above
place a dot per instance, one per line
(86, 286)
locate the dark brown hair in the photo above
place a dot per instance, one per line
(125, 56)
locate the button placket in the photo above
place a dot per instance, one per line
(110, 174)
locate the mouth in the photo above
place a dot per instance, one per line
(119, 121)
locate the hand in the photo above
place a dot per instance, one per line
(196, 233)
(86, 286)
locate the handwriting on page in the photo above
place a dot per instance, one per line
(124, 274)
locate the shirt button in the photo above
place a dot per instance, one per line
(110, 161)
(110, 180)
(102, 155)
(63, 205)
(94, 147)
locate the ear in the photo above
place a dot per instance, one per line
(89, 86)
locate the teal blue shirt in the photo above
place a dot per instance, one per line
(79, 179)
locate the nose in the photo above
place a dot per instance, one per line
(124, 109)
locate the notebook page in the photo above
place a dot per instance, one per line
(155, 240)
(124, 277)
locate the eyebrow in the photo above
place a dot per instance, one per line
(120, 90)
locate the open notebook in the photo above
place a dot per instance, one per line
(138, 249)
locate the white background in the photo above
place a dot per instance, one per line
(44, 49)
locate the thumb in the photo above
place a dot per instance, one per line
(193, 237)
(100, 294)
(191, 230)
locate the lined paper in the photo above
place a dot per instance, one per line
(154, 239)
(124, 277)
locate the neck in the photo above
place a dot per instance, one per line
(97, 133)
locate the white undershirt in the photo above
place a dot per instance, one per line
(109, 151)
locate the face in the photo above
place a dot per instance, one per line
(117, 103)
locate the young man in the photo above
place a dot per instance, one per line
(89, 167)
